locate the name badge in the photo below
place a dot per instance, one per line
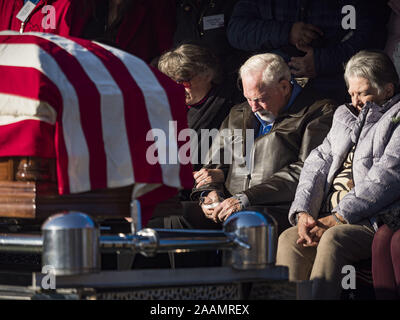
(25, 11)
(213, 22)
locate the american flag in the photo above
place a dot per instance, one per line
(90, 106)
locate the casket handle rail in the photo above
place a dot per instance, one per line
(71, 242)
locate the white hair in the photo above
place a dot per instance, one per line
(272, 66)
(375, 66)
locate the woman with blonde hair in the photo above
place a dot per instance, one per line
(208, 100)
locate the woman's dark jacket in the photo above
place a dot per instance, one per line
(210, 114)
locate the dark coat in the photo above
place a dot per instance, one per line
(145, 28)
(190, 29)
(265, 25)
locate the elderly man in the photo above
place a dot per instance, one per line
(287, 121)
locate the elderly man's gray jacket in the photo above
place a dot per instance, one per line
(271, 172)
(376, 165)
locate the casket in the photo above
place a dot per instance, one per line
(28, 190)
(75, 118)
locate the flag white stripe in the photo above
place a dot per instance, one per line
(16, 108)
(9, 33)
(7, 120)
(116, 145)
(32, 56)
(158, 109)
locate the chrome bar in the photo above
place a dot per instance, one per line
(158, 240)
(21, 243)
(150, 241)
(188, 240)
(117, 242)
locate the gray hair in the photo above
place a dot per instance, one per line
(373, 65)
(189, 60)
(272, 66)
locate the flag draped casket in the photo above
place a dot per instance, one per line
(92, 107)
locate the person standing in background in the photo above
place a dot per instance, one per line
(204, 23)
(315, 37)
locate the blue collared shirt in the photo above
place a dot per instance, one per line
(265, 126)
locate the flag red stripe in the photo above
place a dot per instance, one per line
(150, 200)
(27, 138)
(30, 83)
(62, 160)
(89, 103)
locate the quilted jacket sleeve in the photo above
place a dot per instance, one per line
(310, 190)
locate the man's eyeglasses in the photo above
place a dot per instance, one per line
(185, 83)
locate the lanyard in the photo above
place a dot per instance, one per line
(25, 12)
